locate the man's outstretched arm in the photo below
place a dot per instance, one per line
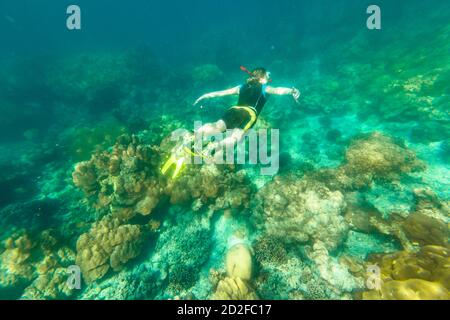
(228, 92)
(280, 91)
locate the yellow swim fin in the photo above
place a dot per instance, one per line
(187, 150)
(178, 159)
(173, 161)
(179, 165)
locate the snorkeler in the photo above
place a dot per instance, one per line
(253, 96)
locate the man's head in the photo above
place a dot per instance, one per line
(259, 75)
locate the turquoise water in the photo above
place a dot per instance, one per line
(364, 157)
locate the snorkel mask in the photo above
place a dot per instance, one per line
(268, 74)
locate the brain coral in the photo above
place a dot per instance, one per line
(368, 158)
(108, 245)
(379, 156)
(300, 211)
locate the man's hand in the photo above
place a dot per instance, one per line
(198, 100)
(295, 94)
(223, 93)
(205, 96)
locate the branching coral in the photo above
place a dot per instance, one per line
(108, 245)
(336, 274)
(183, 249)
(269, 250)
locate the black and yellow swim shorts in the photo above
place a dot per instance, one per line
(240, 117)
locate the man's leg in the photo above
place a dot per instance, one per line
(212, 128)
(205, 132)
(221, 146)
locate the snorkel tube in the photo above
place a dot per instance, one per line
(251, 73)
(246, 71)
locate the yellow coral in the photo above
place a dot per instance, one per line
(122, 179)
(39, 264)
(107, 245)
(412, 289)
(234, 289)
(84, 177)
(425, 230)
(409, 275)
(239, 262)
(51, 281)
(15, 263)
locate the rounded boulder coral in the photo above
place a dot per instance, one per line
(108, 245)
(239, 262)
(379, 156)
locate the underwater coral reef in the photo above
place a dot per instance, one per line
(358, 210)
